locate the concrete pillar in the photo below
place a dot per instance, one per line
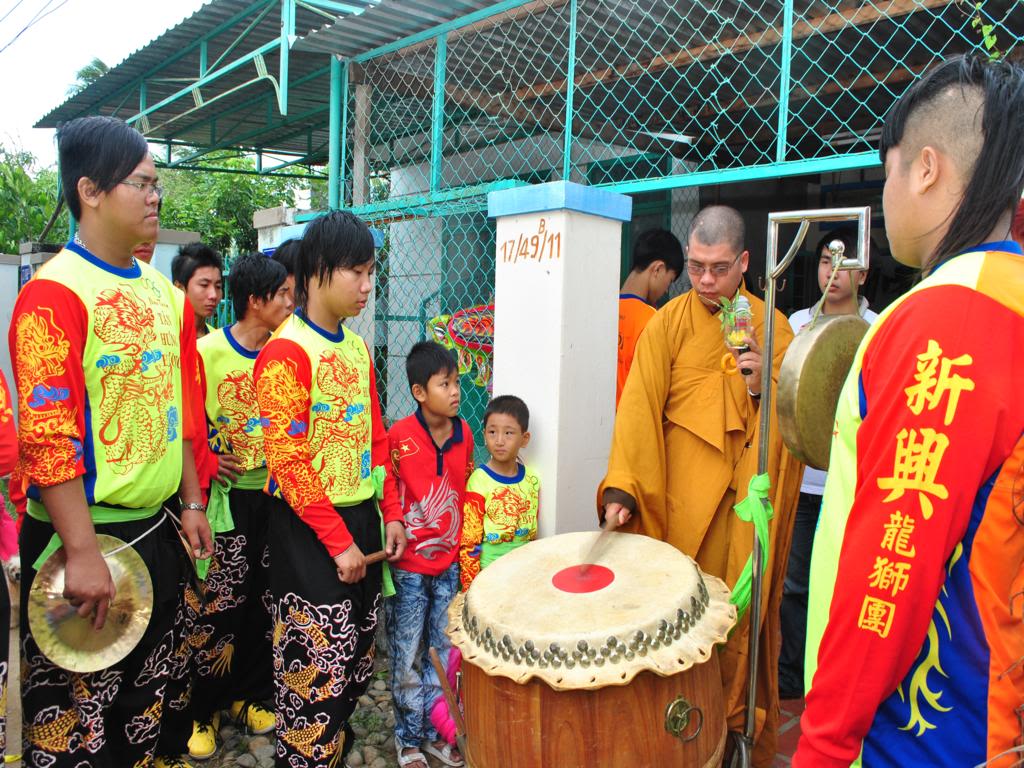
(272, 226)
(555, 334)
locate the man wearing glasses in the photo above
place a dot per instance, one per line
(685, 448)
(103, 352)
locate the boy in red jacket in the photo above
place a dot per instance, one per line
(432, 451)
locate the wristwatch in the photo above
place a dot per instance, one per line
(194, 505)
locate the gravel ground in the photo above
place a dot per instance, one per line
(373, 723)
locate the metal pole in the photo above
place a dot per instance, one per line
(287, 35)
(437, 132)
(570, 92)
(784, 81)
(334, 138)
(774, 270)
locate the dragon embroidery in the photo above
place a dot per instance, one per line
(136, 418)
(279, 390)
(48, 435)
(241, 425)
(340, 430)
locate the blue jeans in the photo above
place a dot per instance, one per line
(416, 618)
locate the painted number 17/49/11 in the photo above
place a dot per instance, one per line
(545, 244)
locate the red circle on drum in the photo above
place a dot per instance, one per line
(579, 579)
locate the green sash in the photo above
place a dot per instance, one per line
(218, 509)
(99, 514)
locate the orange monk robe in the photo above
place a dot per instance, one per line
(685, 447)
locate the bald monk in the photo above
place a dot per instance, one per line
(685, 448)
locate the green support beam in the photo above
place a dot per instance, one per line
(816, 165)
(246, 13)
(343, 168)
(334, 137)
(437, 115)
(462, 21)
(570, 92)
(784, 80)
(209, 78)
(287, 38)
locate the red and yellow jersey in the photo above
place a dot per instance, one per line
(232, 413)
(500, 514)
(634, 314)
(98, 354)
(915, 632)
(323, 433)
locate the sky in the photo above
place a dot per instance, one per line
(37, 68)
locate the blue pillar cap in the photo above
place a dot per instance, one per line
(560, 195)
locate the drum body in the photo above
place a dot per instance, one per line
(624, 674)
(527, 725)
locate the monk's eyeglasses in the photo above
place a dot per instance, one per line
(716, 270)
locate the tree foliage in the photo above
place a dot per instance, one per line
(219, 206)
(27, 200)
(87, 75)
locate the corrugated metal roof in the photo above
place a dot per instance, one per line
(385, 23)
(508, 73)
(166, 55)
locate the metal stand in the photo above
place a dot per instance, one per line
(744, 743)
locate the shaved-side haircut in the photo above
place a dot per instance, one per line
(971, 110)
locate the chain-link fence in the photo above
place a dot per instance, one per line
(656, 99)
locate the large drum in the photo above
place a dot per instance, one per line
(611, 667)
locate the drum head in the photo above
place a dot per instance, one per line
(645, 606)
(813, 372)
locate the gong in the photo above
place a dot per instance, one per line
(812, 375)
(67, 639)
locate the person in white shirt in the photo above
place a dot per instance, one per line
(839, 300)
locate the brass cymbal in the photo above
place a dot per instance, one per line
(70, 641)
(812, 375)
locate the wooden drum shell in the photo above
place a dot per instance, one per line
(531, 725)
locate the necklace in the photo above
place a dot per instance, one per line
(77, 240)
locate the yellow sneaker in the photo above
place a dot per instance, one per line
(203, 742)
(253, 715)
(170, 762)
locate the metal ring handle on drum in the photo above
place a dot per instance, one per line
(677, 719)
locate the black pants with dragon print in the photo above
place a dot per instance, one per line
(233, 657)
(111, 718)
(323, 636)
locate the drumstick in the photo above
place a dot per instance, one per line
(449, 697)
(376, 557)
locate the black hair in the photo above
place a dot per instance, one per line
(287, 253)
(337, 240)
(425, 360)
(510, 405)
(998, 172)
(103, 149)
(658, 245)
(845, 235)
(253, 275)
(719, 224)
(192, 257)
